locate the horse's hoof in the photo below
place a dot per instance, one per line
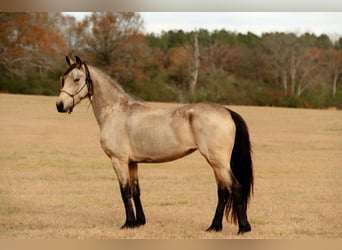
(129, 224)
(214, 228)
(140, 223)
(244, 229)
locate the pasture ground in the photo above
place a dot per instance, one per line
(56, 182)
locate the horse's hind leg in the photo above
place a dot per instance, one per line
(134, 182)
(223, 195)
(229, 191)
(222, 179)
(240, 207)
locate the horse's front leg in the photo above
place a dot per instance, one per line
(122, 172)
(134, 182)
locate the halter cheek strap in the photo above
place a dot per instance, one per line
(88, 81)
(73, 95)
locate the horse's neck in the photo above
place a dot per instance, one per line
(108, 97)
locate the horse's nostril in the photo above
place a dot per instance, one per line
(60, 107)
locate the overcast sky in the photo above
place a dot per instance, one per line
(329, 23)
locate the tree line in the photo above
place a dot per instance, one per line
(275, 69)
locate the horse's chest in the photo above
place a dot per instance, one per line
(114, 141)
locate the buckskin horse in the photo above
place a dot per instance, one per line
(132, 132)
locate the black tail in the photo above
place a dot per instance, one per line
(241, 164)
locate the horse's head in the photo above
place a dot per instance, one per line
(76, 85)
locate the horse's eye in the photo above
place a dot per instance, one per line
(77, 79)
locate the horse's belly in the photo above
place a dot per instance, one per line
(160, 147)
(163, 157)
(160, 136)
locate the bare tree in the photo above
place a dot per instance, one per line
(194, 73)
(333, 58)
(276, 54)
(292, 59)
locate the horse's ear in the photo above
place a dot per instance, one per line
(78, 61)
(68, 61)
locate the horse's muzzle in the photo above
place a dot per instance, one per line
(60, 107)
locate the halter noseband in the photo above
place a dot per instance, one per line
(88, 83)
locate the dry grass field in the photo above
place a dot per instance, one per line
(57, 183)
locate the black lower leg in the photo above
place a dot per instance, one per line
(240, 206)
(223, 195)
(138, 206)
(126, 197)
